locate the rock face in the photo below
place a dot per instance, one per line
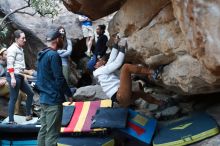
(127, 20)
(89, 8)
(159, 41)
(189, 75)
(182, 34)
(199, 23)
(162, 41)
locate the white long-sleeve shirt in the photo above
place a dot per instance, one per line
(15, 58)
(106, 76)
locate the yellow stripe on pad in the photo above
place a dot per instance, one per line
(110, 143)
(58, 144)
(106, 103)
(193, 138)
(82, 117)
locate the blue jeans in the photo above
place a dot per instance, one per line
(22, 85)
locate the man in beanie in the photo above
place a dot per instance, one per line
(52, 86)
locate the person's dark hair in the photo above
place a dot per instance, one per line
(17, 33)
(102, 27)
(64, 36)
(105, 57)
(60, 27)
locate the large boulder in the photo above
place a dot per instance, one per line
(159, 42)
(135, 15)
(95, 9)
(156, 38)
(187, 75)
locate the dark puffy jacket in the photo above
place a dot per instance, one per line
(50, 80)
(100, 48)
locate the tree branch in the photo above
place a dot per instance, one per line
(23, 12)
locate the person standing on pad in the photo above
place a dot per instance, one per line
(52, 87)
(15, 66)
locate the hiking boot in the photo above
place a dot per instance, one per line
(12, 123)
(28, 118)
